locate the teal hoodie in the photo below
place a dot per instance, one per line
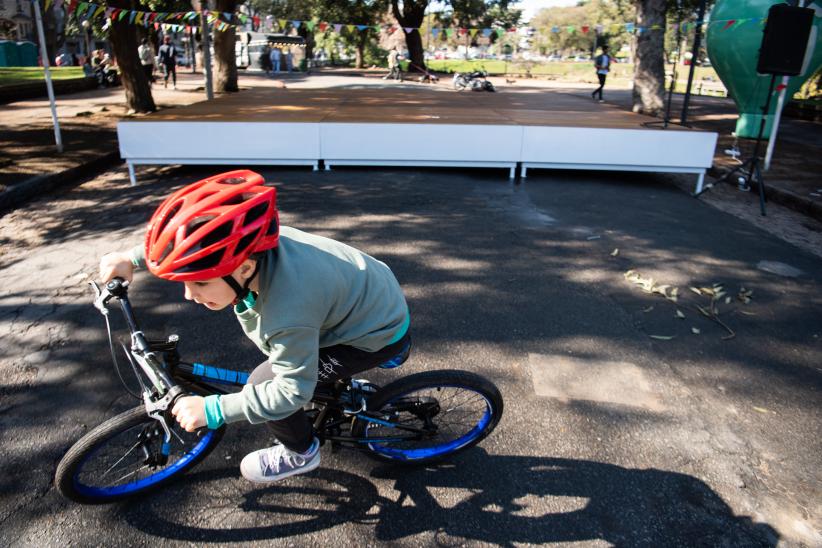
(314, 292)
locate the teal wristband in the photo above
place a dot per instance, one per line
(134, 260)
(213, 412)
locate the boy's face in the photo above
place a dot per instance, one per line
(214, 294)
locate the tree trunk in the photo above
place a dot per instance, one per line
(123, 38)
(649, 68)
(415, 50)
(412, 15)
(225, 60)
(359, 55)
(309, 44)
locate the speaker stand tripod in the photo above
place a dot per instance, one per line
(749, 170)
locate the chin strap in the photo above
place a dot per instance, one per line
(241, 290)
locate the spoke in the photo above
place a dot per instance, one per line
(131, 473)
(448, 397)
(182, 442)
(121, 459)
(479, 398)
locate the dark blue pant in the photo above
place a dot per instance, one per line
(601, 85)
(336, 362)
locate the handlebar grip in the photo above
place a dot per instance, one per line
(117, 286)
(199, 431)
(115, 282)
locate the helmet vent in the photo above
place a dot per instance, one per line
(209, 261)
(169, 248)
(255, 213)
(246, 241)
(196, 223)
(272, 227)
(233, 181)
(170, 215)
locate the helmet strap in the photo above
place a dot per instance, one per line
(241, 290)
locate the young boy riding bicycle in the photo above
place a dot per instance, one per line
(319, 309)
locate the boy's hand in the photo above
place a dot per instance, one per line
(190, 412)
(116, 264)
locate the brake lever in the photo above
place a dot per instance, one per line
(103, 296)
(99, 298)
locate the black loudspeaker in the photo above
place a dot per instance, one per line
(785, 40)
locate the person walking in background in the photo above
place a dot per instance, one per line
(276, 54)
(393, 65)
(168, 59)
(146, 53)
(289, 60)
(265, 59)
(603, 66)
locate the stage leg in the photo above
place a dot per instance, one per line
(316, 166)
(512, 173)
(699, 182)
(131, 177)
(523, 172)
(327, 166)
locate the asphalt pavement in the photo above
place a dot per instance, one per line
(624, 424)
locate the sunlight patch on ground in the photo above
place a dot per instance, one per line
(567, 378)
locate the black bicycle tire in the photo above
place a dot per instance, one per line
(76, 455)
(434, 378)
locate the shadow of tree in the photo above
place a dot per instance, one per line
(492, 272)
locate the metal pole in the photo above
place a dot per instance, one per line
(697, 42)
(192, 50)
(45, 57)
(206, 55)
(775, 125)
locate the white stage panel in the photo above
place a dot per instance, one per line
(618, 147)
(420, 143)
(219, 141)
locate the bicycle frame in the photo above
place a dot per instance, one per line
(160, 363)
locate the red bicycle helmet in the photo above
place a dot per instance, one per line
(208, 228)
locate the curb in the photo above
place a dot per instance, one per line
(37, 90)
(22, 192)
(791, 200)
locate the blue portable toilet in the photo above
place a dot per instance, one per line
(8, 54)
(27, 54)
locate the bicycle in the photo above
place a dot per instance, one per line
(420, 419)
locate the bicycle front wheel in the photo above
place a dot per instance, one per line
(450, 411)
(125, 456)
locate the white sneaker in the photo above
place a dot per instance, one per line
(278, 462)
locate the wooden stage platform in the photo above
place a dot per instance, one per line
(412, 126)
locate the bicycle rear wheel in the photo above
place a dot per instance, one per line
(454, 410)
(123, 457)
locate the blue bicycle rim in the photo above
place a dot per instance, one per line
(437, 450)
(126, 488)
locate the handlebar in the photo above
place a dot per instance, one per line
(117, 288)
(168, 391)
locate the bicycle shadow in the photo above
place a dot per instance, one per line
(496, 499)
(542, 499)
(219, 506)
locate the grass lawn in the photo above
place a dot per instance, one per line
(22, 75)
(582, 72)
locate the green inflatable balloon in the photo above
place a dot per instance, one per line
(734, 51)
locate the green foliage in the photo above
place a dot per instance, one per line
(74, 25)
(596, 12)
(374, 55)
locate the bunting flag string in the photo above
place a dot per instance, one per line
(225, 20)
